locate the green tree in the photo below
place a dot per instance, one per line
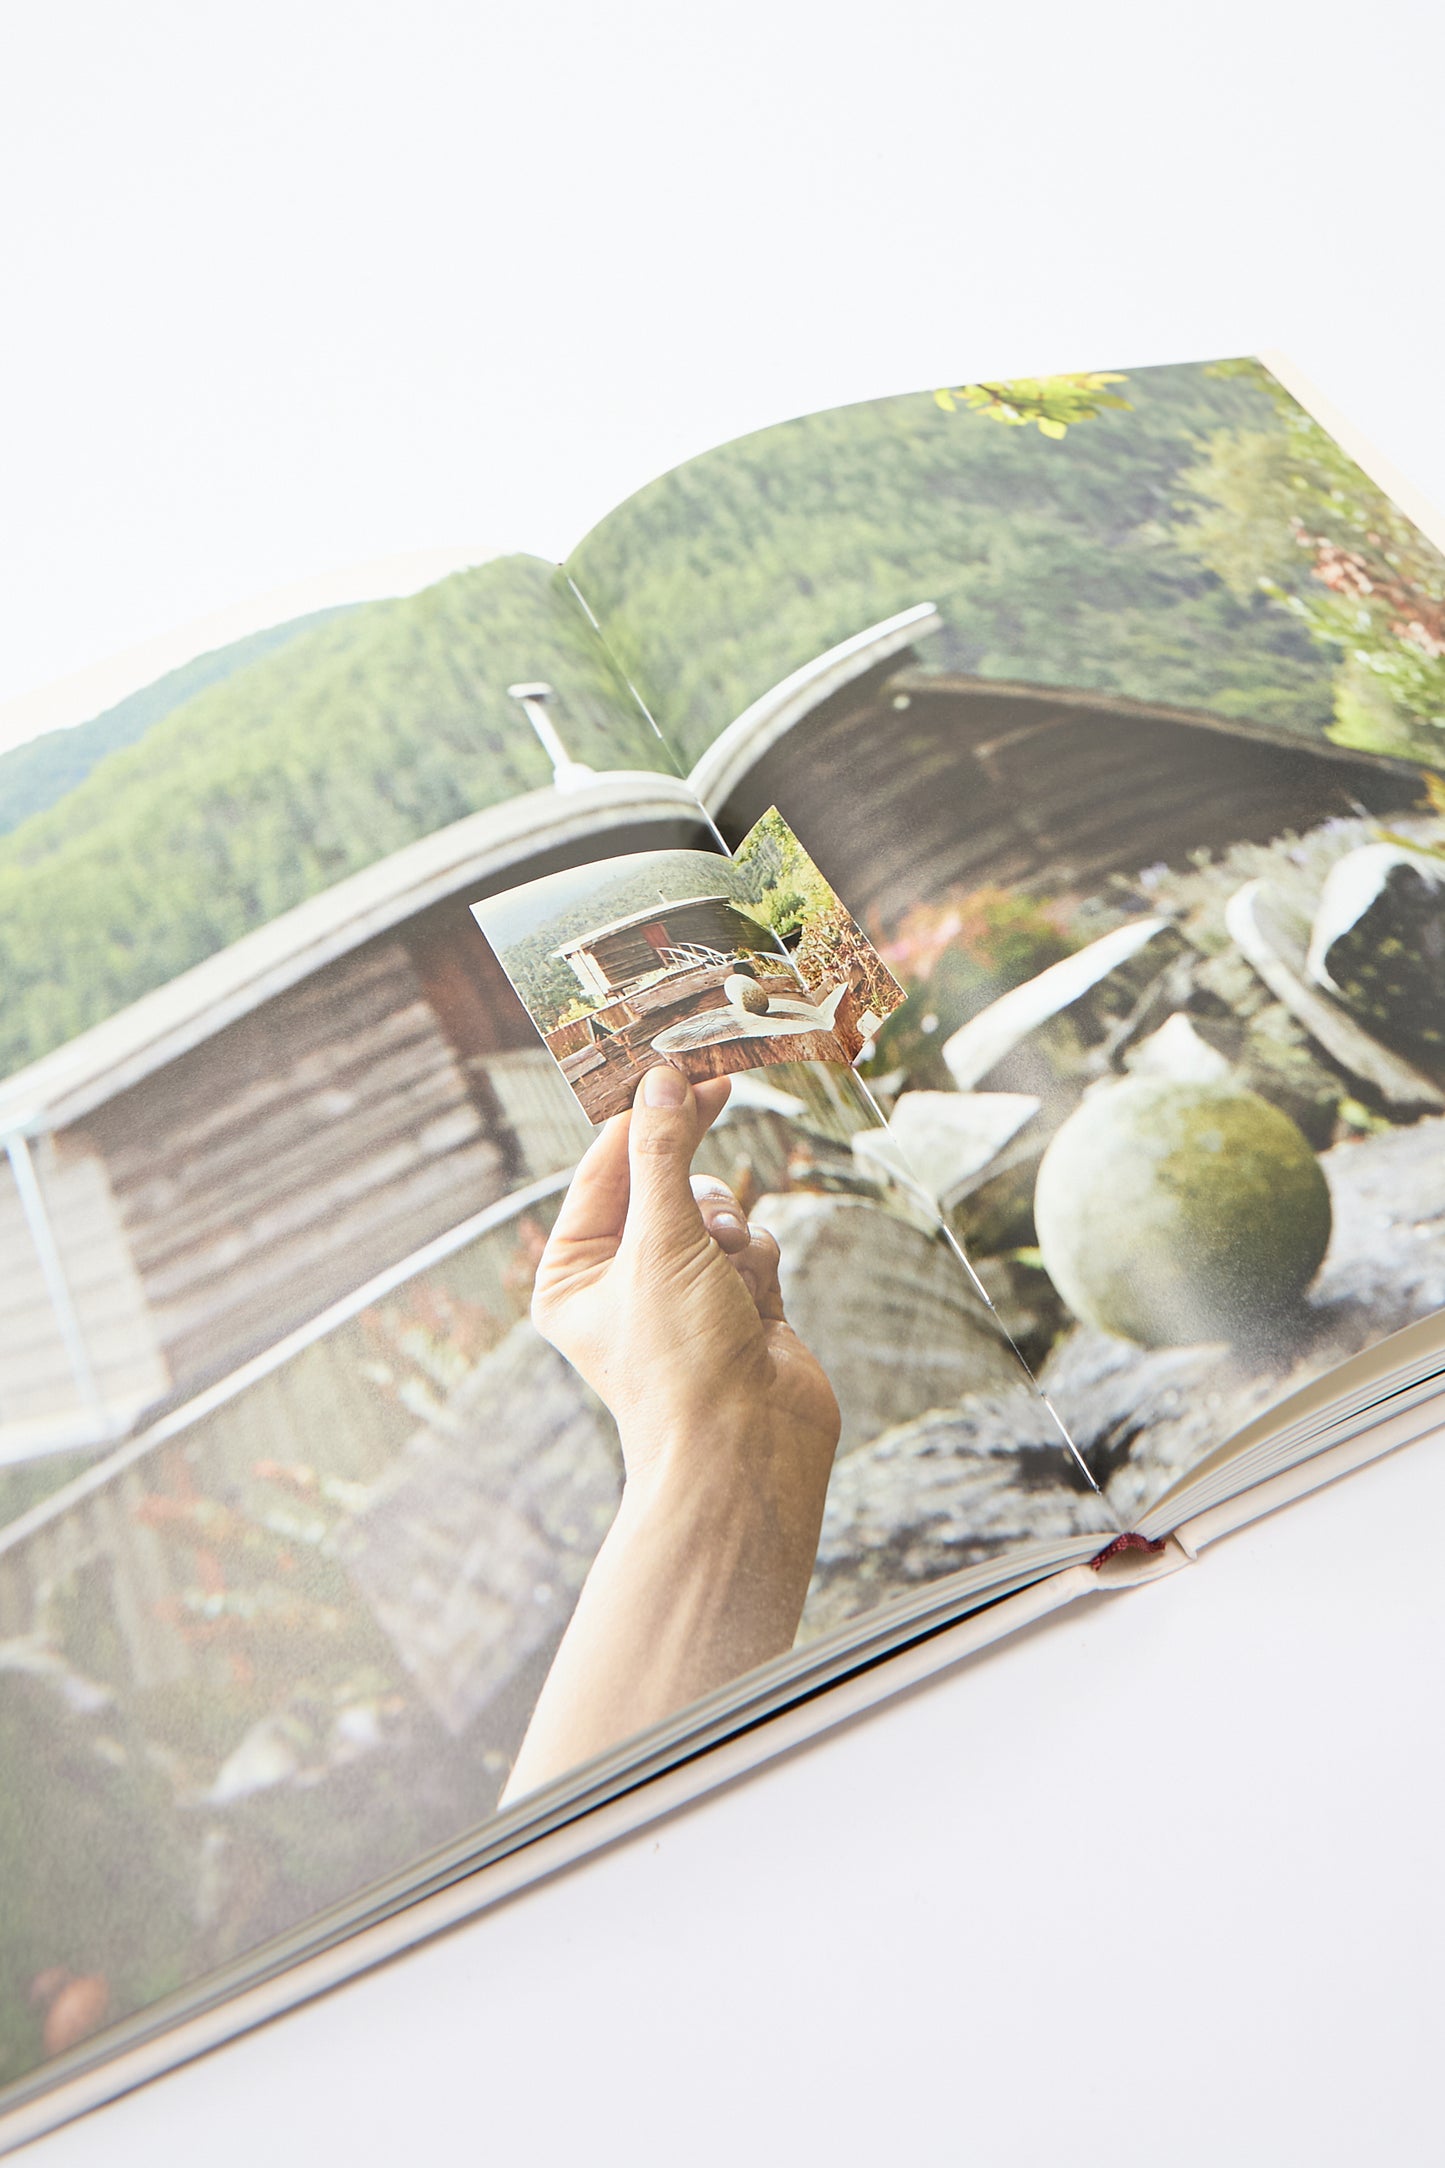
(1055, 403)
(775, 879)
(1284, 512)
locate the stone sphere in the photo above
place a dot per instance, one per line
(1170, 1212)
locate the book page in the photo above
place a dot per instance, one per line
(1111, 705)
(297, 1503)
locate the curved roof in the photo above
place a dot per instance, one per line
(653, 915)
(773, 714)
(484, 847)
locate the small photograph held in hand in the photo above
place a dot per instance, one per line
(711, 964)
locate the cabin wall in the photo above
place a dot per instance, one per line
(285, 1160)
(632, 951)
(513, 1078)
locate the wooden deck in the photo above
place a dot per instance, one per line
(607, 1068)
(606, 1071)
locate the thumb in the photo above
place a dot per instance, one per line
(661, 1139)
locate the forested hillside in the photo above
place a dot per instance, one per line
(36, 775)
(378, 727)
(1055, 560)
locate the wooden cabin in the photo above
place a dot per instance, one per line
(903, 783)
(196, 1176)
(647, 971)
(191, 1179)
(612, 959)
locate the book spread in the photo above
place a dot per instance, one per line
(595, 1151)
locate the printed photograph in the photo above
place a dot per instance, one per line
(711, 964)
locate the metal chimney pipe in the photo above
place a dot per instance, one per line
(567, 774)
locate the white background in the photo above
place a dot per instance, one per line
(296, 283)
(288, 286)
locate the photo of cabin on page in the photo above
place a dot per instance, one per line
(714, 965)
(1112, 703)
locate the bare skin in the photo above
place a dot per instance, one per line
(658, 1292)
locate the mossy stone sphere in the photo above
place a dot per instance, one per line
(1169, 1213)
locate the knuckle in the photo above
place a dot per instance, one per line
(658, 1140)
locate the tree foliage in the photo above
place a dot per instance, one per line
(1052, 562)
(1055, 403)
(38, 774)
(1284, 512)
(774, 878)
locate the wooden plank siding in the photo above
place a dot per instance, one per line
(277, 1164)
(294, 1154)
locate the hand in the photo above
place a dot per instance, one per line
(654, 1287)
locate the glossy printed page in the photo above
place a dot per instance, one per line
(1110, 704)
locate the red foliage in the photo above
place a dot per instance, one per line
(1414, 614)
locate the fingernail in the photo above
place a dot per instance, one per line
(729, 1221)
(664, 1086)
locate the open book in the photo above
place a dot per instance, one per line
(595, 1151)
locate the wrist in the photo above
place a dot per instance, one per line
(692, 1461)
(735, 1485)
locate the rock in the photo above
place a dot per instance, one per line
(1172, 1213)
(1386, 1266)
(946, 1140)
(1263, 1051)
(746, 993)
(1142, 1418)
(751, 1093)
(272, 1751)
(1378, 942)
(1178, 1052)
(1260, 920)
(887, 1309)
(1276, 1059)
(982, 1043)
(956, 1487)
(472, 1549)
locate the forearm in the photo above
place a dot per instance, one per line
(702, 1576)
